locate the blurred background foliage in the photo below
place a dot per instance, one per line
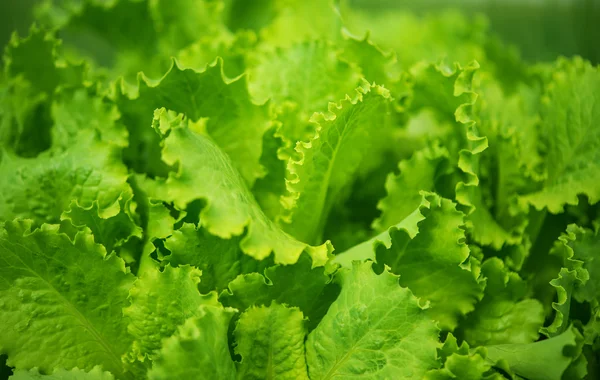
(541, 29)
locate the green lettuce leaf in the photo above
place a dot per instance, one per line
(461, 362)
(111, 232)
(328, 162)
(204, 95)
(301, 285)
(61, 301)
(41, 188)
(577, 280)
(552, 359)
(33, 74)
(198, 349)
(161, 301)
(180, 23)
(270, 341)
(221, 260)
(309, 74)
(570, 138)
(375, 329)
(505, 315)
(206, 172)
(77, 111)
(417, 174)
(375, 64)
(435, 264)
(269, 189)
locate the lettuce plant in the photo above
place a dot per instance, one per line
(225, 189)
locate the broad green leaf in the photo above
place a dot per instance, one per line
(309, 74)
(205, 172)
(374, 330)
(302, 285)
(61, 301)
(329, 161)
(270, 341)
(221, 260)
(79, 110)
(234, 122)
(198, 349)
(42, 188)
(544, 360)
(505, 314)
(161, 301)
(418, 173)
(571, 138)
(111, 232)
(435, 264)
(60, 374)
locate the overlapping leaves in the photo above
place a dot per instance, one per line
(178, 227)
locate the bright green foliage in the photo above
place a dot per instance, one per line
(435, 264)
(62, 300)
(417, 174)
(221, 260)
(375, 329)
(309, 289)
(293, 189)
(160, 302)
(461, 362)
(111, 232)
(577, 279)
(202, 175)
(328, 162)
(571, 139)
(198, 348)
(505, 314)
(40, 188)
(270, 341)
(556, 358)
